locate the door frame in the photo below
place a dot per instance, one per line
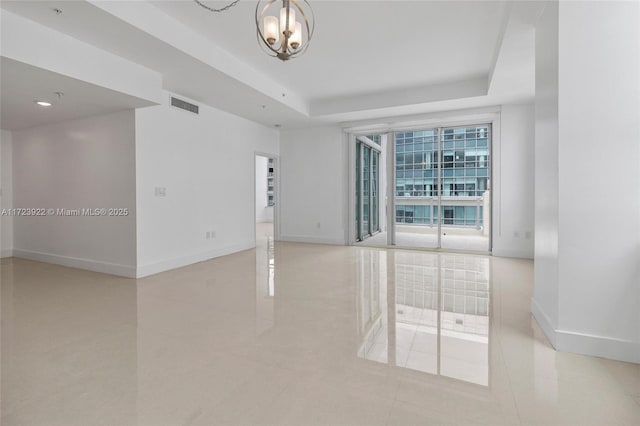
(357, 139)
(276, 193)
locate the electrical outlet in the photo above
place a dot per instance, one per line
(318, 225)
(527, 235)
(516, 234)
(213, 234)
(160, 191)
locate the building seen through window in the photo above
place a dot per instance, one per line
(464, 159)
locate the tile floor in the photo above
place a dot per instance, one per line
(296, 334)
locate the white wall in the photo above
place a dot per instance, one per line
(513, 230)
(87, 163)
(313, 185)
(599, 110)
(587, 293)
(205, 163)
(6, 197)
(264, 213)
(544, 305)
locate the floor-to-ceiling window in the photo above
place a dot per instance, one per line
(440, 194)
(442, 180)
(465, 172)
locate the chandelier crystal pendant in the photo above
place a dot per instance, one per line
(284, 27)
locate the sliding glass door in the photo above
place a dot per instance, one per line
(465, 195)
(442, 197)
(425, 188)
(367, 188)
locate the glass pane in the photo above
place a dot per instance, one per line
(375, 160)
(366, 196)
(358, 191)
(466, 163)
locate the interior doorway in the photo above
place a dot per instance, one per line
(436, 185)
(266, 232)
(265, 199)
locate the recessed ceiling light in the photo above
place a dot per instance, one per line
(43, 103)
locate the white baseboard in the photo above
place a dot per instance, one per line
(600, 346)
(544, 322)
(76, 262)
(6, 253)
(129, 271)
(516, 253)
(312, 240)
(166, 265)
(586, 344)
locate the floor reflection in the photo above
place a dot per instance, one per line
(425, 312)
(265, 283)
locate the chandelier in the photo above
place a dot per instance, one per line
(284, 32)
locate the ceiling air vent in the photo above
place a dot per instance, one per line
(179, 103)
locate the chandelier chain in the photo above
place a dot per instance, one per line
(222, 9)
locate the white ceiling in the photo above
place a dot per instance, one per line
(22, 84)
(368, 58)
(186, 73)
(360, 47)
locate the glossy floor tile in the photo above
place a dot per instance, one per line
(296, 334)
